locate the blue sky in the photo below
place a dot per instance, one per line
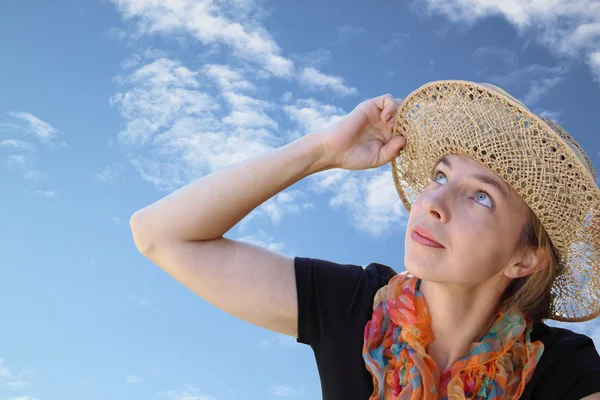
(109, 105)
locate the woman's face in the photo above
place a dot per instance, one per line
(477, 222)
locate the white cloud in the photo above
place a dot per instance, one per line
(43, 193)
(552, 115)
(190, 392)
(394, 43)
(346, 32)
(263, 239)
(184, 122)
(111, 174)
(290, 201)
(278, 341)
(286, 391)
(23, 398)
(32, 124)
(162, 92)
(537, 79)
(116, 220)
(25, 124)
(315, 58)
(35, 175)
(133, 379)
(140, 301)
(312, 116)
(227, 78)
(540, 88)
(4, 370)
(284, 203)
(14, 381)
(594, 62)
(567, 28)
(208, 23)
(181, 133)
(318, 80)
(17, 144)
(369, 196)
(497, 55)
(287, 97)
(18, 161)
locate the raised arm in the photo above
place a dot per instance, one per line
(183, 232)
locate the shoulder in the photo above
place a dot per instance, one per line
(372, 276)
(570, 364)
(333, 295)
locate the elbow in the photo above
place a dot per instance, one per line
(140, 233)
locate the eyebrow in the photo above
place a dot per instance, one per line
(486, 179)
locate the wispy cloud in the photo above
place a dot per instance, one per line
(497, 54)
(369, 197)
(111, 174)
(133, 379)
(594, 62)
(315, 58)
(20, 126)
(290, 201)
(263, 239)
(318, 80)
(31, 124)
(394, 43)
(311, 115)
(552, 115)
(184, 122)
(278, 341)
(18, 161)
(189, 392)
(209, 23)
(286, 391)
(227, 78)
(23, 398)
(538, 79)
(348, 32)
(142, 302)
(43, 193)
(17, 144)
(8, 379)
(568, 28)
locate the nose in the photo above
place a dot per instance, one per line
(436, 203)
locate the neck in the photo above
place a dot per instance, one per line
(459, 317)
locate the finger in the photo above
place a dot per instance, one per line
(392, 119)
(391, 149)
(390, 106)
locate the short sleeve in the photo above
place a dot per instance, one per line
(571, 367)
(329, 292)
(583, 367)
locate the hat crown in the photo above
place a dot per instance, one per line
(573, 145)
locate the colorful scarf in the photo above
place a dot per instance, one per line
(497, 367)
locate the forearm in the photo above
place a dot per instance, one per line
(210, 206)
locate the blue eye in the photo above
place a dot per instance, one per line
(478, 198)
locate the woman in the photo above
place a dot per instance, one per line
(502, 234)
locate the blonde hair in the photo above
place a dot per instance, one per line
(532, 294)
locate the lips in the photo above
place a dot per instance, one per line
(421, 231)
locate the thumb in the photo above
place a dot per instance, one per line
(391, 149)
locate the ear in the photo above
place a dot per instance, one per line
(526, 262)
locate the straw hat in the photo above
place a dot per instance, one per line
(534, 155)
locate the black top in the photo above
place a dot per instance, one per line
(335, 302)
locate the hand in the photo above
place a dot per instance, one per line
(364, 138)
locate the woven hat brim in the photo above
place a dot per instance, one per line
(465, 118)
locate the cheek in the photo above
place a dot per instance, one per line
(480, 254)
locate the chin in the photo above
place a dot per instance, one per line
(418, 270)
